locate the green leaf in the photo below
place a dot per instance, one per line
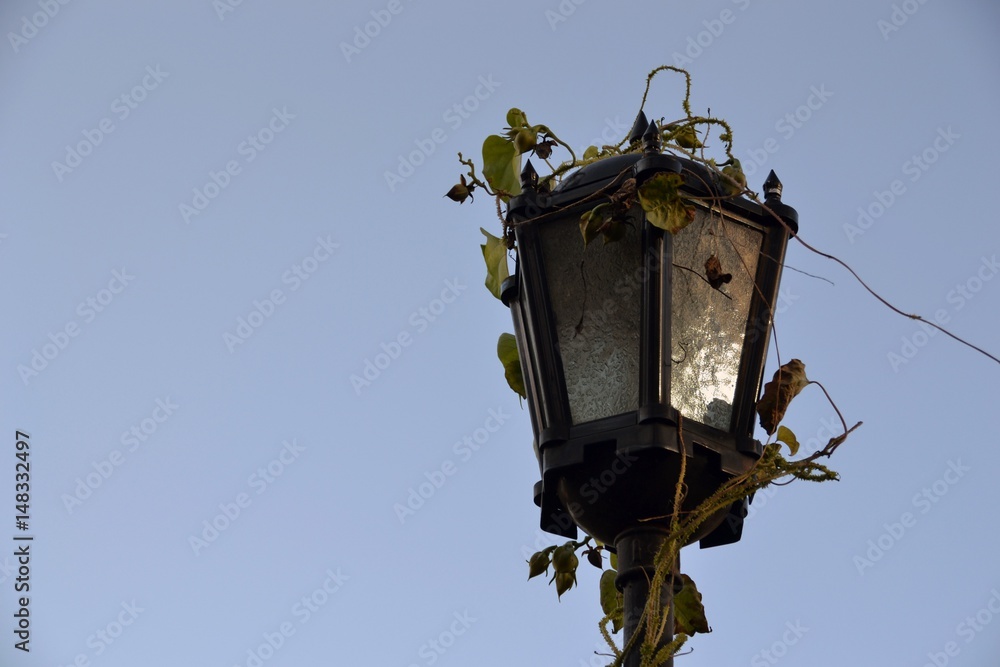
(611, 600)
(786, 436)
(591, 152)
(614, 231)
(663, 204)
(689, 612)
(735, 172)
(516, 118)
(593, 221)
(788, 381)
(501, 165)
(511, 360)
(495, 254)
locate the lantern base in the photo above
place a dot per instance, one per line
(620, 479)
(620, 491)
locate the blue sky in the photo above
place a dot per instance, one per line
(214, 214)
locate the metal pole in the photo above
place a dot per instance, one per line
(637, 549)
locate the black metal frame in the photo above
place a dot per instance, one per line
(652, 434)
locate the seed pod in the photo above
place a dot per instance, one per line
(564, 582)
(543, 149)
(564, 559)
(525, 140)
(460, 191)
(539, 564)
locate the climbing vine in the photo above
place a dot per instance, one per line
(667, 206)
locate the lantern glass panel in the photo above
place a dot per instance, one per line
(596, 295)
(708, 324)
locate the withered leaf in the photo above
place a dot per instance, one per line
(624, 196)
(788, 381)
(713, 272)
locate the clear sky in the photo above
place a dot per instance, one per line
(214, 214)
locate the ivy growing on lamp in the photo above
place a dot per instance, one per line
(643, 290)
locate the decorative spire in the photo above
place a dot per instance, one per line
(638, 128)
(651, 139)
(772, 199)
(529, 177)
(772, 187)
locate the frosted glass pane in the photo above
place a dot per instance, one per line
(709, 326)
(600, 352)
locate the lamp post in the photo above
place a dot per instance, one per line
(635, 354)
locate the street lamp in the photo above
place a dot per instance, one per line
(641, 351)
